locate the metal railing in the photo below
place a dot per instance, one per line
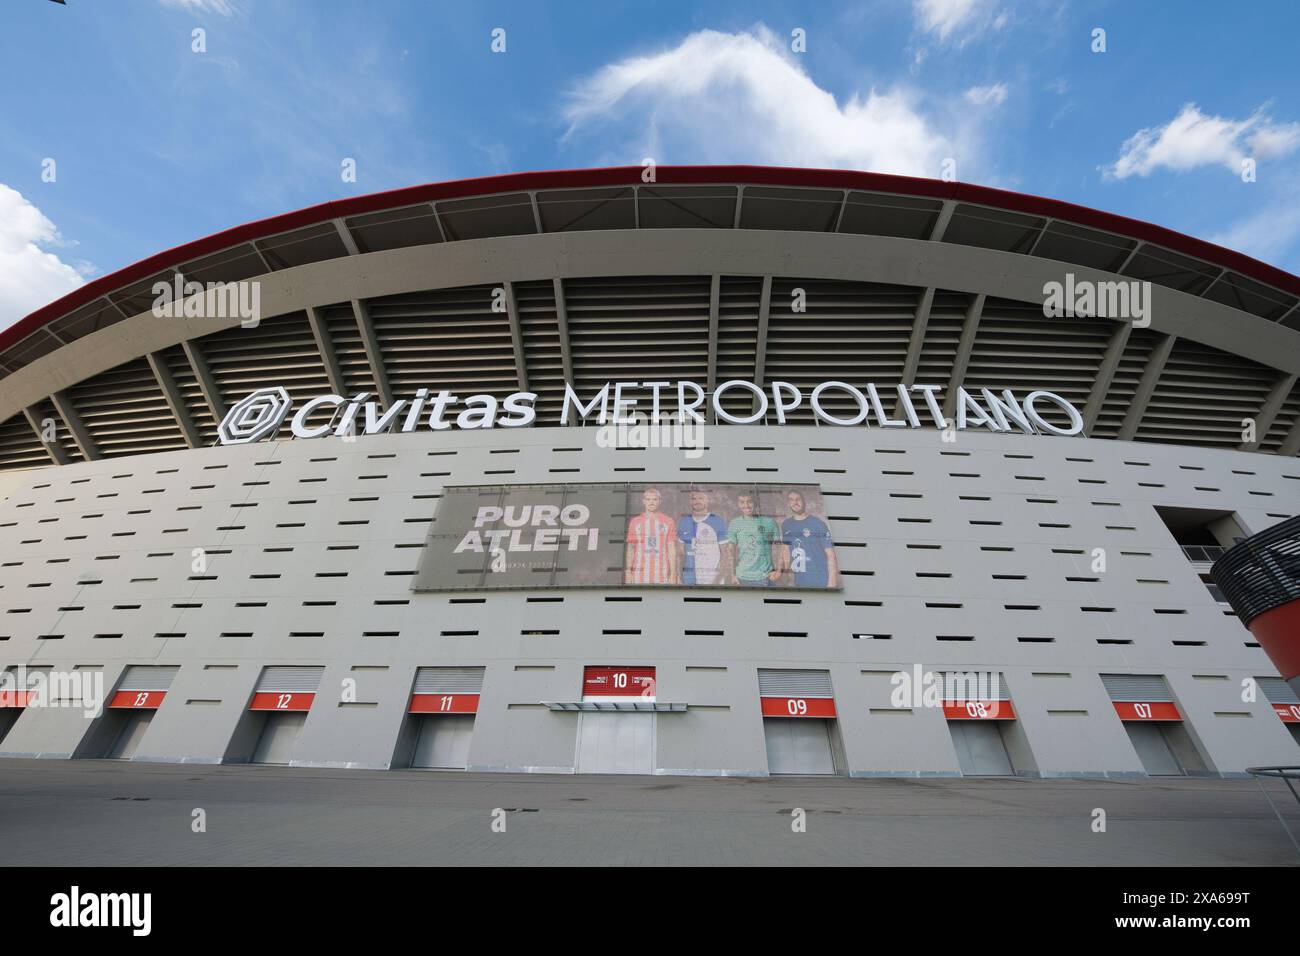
(1288, 775)
(1203, 553)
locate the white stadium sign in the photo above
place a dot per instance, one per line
(262, 413)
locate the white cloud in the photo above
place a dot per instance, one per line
(719, 97)
(995, 93)
(29, 276)
(1193, 139)
(221, 7)
(943, 17)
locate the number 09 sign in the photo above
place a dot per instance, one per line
(798, 706)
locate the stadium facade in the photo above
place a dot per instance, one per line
(938, 477)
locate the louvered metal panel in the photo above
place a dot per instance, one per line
(657, 328)
(1277, 691)
(543, 360)
(279, 351)
(794, 683)
(1016, 347)
(942, 332)
(187, 384)
(125, 412)
(1286, 418)
(448, 680)
(349, 350)
(1144, 688)
(289, 680)
(20, 447)
(45, 412)
(448, 338)
(638, 328)
(148, 677)
(1124, 385)
(739, 301)
(1202, 397)
(856, 332)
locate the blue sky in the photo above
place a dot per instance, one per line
(154, 144)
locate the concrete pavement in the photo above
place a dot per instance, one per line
(122, 813)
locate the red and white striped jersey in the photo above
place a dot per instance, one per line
(650, 536)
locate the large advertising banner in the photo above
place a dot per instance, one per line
(666, 534)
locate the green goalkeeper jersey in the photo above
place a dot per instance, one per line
(752, 539)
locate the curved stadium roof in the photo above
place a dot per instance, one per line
(881, 322)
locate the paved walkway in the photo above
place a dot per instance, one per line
(104, 812)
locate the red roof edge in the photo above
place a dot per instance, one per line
(664, 175)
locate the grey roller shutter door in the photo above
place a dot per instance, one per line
(798, 747)
(443, 742)
(1277, 691)
(1153, 749)
(132, 732)
(794, 683)
(289, 680)
(449, 680)
(279, 737)
(1144, 688)
(980, 749)
(150, 677)
(616, 743)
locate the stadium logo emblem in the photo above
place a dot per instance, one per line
(255, 416)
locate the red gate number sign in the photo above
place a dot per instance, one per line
(978, 710)
(798, 706)
(618, 682)
(1156, 710)
(1290, 713)
(279, 701)
(444, 704)
(138, 699)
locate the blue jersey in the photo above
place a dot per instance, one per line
(703, 540)
(807, 538)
